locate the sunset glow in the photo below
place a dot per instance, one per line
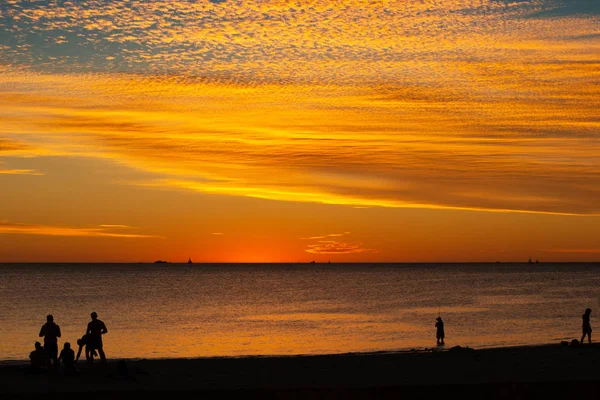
(287, 131)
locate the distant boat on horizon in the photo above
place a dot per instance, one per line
(160, 262)
(190, 260)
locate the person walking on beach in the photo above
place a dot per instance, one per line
(50, 332)
(439, 331)
(95, 330)
(586, 327)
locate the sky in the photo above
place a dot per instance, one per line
(292, 131)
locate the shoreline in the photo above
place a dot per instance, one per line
(416, 350)
(550, 369)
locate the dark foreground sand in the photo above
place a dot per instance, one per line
(521, 372)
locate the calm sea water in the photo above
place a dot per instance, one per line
(173, 310)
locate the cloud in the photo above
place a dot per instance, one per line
(566, 8)
(325, 236)
(337, 247)
(377, 149)
(49, 230)
(280, 41)
(465, 105)
(12, 147)
(592, 251)
(4, 171)
(217, 233)
(20, 172)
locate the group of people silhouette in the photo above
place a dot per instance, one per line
(92, 341)
(47, 355)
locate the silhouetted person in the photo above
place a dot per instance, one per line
(50, 332)
(67, 356)
(439, 334)
(89, 352)
(95, 330)
(37, 358)
(586, 327)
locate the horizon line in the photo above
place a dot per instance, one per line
(298, 262)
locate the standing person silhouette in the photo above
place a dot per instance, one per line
(50, 332)
(586, 327)
(439, 334)
(95, 330)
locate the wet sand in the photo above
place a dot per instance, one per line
(550, 371)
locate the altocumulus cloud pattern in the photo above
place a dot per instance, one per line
(466, 104)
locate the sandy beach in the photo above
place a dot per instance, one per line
(550, 371)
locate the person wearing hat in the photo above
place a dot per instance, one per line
(586, 327)
(440, 331)
(95, 330)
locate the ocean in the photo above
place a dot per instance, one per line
(215, 310)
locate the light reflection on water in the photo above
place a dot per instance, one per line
(155, 311)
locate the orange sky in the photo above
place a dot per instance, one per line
(300, 130)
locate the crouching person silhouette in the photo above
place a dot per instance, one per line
(37, 358)
(89, 352)
(67, 356)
